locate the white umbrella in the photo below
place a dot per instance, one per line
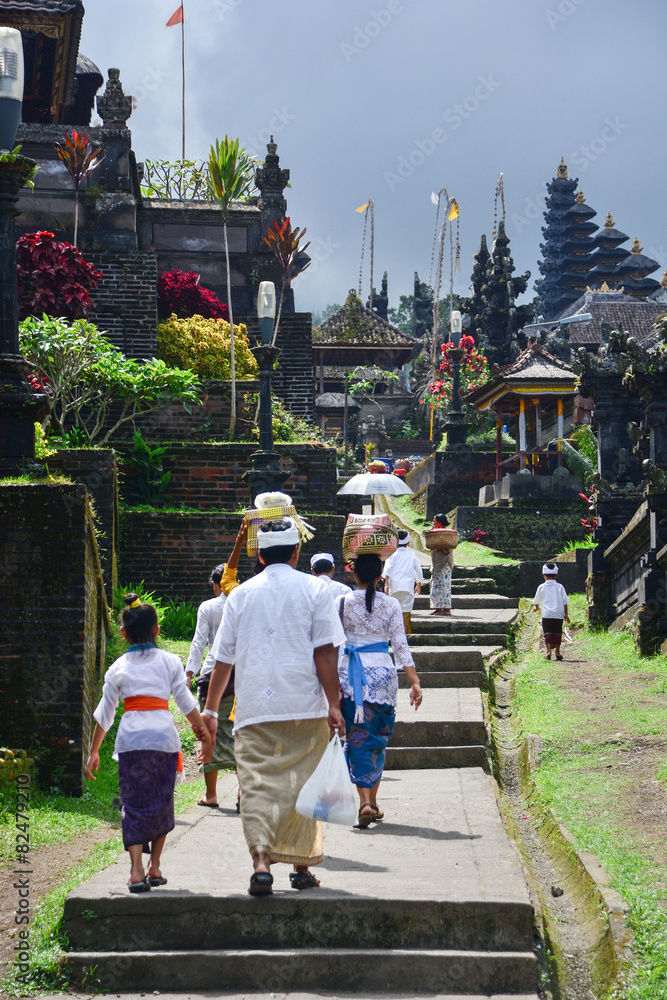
(367, 483)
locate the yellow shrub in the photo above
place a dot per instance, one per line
(204, 345)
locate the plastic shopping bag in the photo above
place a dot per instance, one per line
(328, 794)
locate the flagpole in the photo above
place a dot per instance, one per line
(183, 76)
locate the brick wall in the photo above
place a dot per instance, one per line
(126, 301)
(293, 381)
(210, 475)
(174, 553)
(53, 627)
(452, 478)
(96, 470)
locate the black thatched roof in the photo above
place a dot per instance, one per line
(354, 324)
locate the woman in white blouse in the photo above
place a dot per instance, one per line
(369, 680)
(147, 744)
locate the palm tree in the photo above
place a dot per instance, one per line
(230, 179)
(80, 157)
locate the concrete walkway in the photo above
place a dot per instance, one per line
(431, 901)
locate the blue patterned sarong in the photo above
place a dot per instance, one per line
(366, 742)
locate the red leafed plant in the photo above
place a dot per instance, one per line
(53, 277)
(181, 294)
(477, 535)
(475, 371)
(590, 523)
(80, 157)
(285, 245)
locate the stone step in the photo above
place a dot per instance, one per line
(433, 897)
(475, 620)
(489, 643)
(445, 679)
(424, 757)
(379, 970)
(448, 717)
(466, 601)
(469, 585)
(445, 658)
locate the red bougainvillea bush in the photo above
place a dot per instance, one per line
(475, 370)
(180, 294)
(53, 278)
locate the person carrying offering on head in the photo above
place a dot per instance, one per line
(323, 567)
(280, 630)
(552, 598)
(442, 564)
(403, 577)
(369, 680)
(147, 745)
(209, 616)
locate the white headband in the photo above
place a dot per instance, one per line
(549, 572)
(404, 541)
(321, 555)
(271, 539)
(263, 500)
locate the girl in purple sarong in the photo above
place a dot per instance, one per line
(147, 745)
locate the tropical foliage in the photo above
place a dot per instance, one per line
(180, 180)
(180, 294)
(475, 371)
(150, 482)
(285, 245)
(204, 346)
(53, 277)
(80, 158)
(231, 175)
(86, 375)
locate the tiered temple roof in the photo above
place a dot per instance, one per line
(535, 373)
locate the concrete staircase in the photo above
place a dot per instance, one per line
(432, 900)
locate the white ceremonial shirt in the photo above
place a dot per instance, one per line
(336, 588)
(403, 570)
(155, 674)
(553, 597)
(209, 617)
(270, 627)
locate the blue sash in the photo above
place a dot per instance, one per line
(357, 674)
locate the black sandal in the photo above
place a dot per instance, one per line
(261, 884)
(365, 819)
(303, 880)
(378, 815)
(143, 886)
(155, 882)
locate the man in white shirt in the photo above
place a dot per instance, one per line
(280, 630)
(403, 577)
(552, 597)
(323, 567)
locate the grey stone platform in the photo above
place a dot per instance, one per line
(466, 599)
(431, 900)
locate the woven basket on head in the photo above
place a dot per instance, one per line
(445, 538)
(255, 517)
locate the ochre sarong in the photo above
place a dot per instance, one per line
(273, 762)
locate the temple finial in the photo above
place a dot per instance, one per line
(580, 199)
(636, 248)
(562, 169)
(609, 221)
(664, 280)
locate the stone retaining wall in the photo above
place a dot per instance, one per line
(520, 533)
(54, 624)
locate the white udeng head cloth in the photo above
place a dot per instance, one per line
(404, 541)
(321, 555)
(549, 572)
(263, 500)
(271, 539)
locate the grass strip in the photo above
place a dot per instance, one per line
(575, 779)
(46, 940)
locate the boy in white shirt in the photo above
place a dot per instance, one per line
(553, 599)
(403, 577)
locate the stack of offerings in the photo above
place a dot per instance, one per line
(272, 507)
(367, 534)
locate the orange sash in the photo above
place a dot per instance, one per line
(145, 703)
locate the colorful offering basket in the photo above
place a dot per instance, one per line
(369, 534)
(441, 538)
(257, 516)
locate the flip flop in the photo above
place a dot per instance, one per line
(154, 882)
(378, 815)
(208, 805)
(365, 819)
(559, 657)
(303, 880)
(261, 884)
(138, 886)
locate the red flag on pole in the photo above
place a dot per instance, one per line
(176, 18)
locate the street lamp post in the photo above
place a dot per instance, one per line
(266, 474)
(456, 426)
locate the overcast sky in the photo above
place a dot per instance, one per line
(397, 98)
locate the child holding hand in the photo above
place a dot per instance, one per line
(147, 745)
(553, 599)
